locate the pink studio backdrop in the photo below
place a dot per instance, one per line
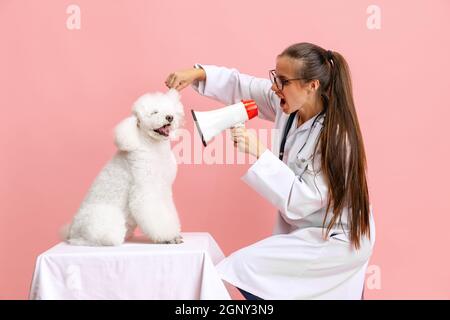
(62, 92)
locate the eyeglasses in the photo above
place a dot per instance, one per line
(280, 83)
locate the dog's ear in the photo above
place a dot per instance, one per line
(127, 134)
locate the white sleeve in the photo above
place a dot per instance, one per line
(293, 196)
(229, 86)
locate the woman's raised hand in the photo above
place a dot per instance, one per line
(183, 78)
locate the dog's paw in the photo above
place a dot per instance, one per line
(176, 240)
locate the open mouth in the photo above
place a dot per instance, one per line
(164, 130)
(282, 102)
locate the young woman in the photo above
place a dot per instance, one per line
(316, 177)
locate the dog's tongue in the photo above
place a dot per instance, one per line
(164, 130)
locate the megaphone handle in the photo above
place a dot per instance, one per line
(239, 125)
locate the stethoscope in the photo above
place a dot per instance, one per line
(286, 130)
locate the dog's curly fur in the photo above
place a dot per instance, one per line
(135, 186)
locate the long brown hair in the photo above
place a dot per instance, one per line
(341, 145)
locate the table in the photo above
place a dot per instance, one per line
(138, 269)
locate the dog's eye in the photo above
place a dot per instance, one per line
(154, 112)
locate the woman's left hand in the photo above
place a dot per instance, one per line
(247, 141)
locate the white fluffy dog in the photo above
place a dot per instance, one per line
(135, 186)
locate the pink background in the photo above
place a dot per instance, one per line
(62, 92)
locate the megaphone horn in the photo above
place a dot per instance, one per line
(211, 123)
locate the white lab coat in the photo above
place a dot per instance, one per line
(295, 262)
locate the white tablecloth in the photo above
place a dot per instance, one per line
(137, 269)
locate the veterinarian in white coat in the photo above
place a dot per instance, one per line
(297, 261)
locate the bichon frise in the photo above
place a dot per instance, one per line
(135, 186)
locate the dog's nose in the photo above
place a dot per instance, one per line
(169, 118)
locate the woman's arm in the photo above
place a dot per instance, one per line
(229, 86)
(181, 79)
(295, 197)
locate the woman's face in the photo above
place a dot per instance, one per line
(295, 94)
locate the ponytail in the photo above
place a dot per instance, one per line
(342, 148)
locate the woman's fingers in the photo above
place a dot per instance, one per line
(237, 130)
(238, 142)
(238, 136)
(174, 82)
(171, 80)
(234, 134)
(167, 79)
(246, 141)
(181, 85)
